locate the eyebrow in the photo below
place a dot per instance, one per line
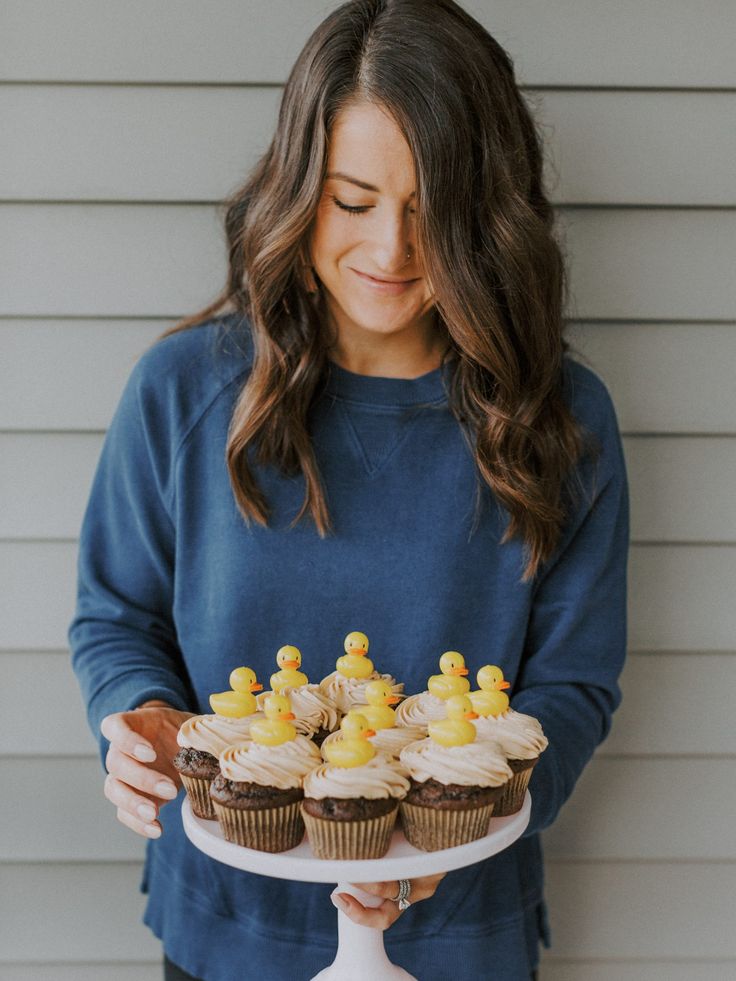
(339, 176)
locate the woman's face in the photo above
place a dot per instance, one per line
(363, 243)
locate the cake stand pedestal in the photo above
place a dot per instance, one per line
(361, 955)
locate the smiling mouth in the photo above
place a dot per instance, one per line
(387, 282)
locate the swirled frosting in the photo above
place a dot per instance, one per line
(312, 708)
(519, 736)
(389, 741)
(476, 764)
(346, 693)
(420, 710)
(214, 733)
(283, 766)
(380, 777)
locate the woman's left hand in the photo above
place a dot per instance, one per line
(383, 916)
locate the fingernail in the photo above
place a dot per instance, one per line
(152, 831)
(147, 812)
(165, 789)
(146, 754)
(340, 903)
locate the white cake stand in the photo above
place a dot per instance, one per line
(361, 955)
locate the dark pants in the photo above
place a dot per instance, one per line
(174, 973)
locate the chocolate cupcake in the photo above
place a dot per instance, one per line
(455, 782)
(202, 738)
(345, 687)
(316, 715)
(351, 802)
(257, 797)
(521, 740)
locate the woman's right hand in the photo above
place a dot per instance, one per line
(140, 774)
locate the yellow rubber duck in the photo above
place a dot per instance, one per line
(452, 681)
(379, 696)
(352, 748)
(240, 701)
(455, 730)
(288, 658)
(276, 728)
(491, 698)
(354, 663)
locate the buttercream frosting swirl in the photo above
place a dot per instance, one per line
(283, 766)
(214, 733)
(519, 736)
(313, 709)
(379, 778)
(347, 693)
(476, 764)
(420, 710)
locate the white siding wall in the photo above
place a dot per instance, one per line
(124, 125)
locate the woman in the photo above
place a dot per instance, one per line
(373, 427)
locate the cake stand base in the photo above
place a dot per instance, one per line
(361, 955)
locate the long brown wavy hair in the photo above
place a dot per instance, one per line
(486, 241)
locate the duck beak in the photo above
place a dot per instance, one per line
(460, 671)
(291, 665)
(256, 687)
(502, 685)
(471, 715)
(367, 733)
(360, 651)
(286, 716)
(391, 699)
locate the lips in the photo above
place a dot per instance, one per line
(389, 287)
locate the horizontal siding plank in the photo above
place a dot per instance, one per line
(627, 910)
(680, 596)
(75, 369)
(635, 970)
(81, 972)
(115, 144)
(599, 910)
(44, 483)
(116, 260)
(56, 699)
(621, 809)
(681, 489)
(656, 688)
(662, 376)
(81, 826)
(75, 904)
(625, 264)
(675, 378)
(565, 43)
(649, 809)
(660, 691)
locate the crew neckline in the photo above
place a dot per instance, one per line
(377, 390)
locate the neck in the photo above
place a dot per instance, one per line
(404, 354)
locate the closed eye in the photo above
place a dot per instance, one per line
(352, 209)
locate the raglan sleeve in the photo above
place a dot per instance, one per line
(576, 638)
(122, 637)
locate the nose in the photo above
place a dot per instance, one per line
(392, 245)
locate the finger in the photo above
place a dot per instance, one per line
(380, 918)
(152, 830)
(126, 799)
(139, 776)
(115, 729)
(385, 890)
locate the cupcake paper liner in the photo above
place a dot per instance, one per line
(431, 829)
(513, 792)
(268, 829)
(368, 838)
(198, 792)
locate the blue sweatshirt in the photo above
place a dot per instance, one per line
(175, 590)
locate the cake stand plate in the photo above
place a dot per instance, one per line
(361, 955)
